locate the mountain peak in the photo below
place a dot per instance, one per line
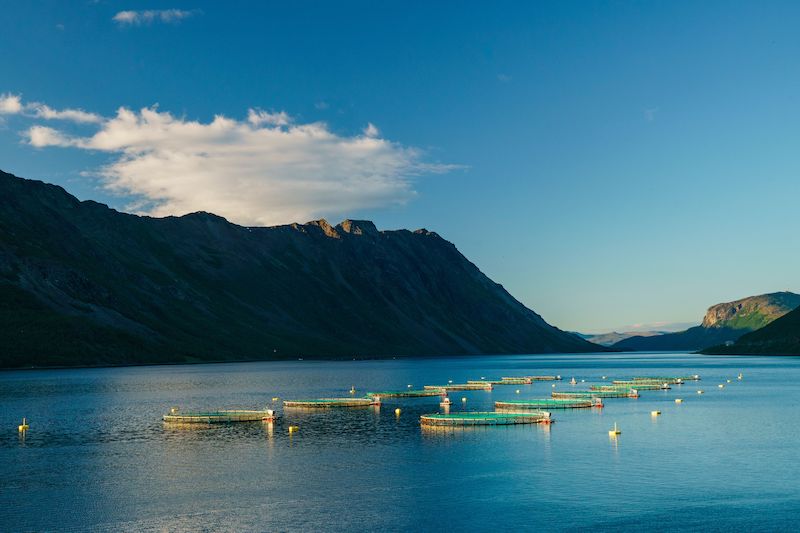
(358, 227)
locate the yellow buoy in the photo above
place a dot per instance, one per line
(275, 399)
(24, 426)
(614, 432)
(678, 400)
(293, 429)
(655, 413)
(397, 411)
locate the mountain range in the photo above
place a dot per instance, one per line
(83, 284)
(723, 323)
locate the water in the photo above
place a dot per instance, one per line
(98, 457)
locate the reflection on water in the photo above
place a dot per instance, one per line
(99, 457)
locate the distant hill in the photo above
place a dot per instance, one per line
(723, 323)
(82, 284)
(781, 337)
(607, 339)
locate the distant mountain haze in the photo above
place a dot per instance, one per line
(82, 284)
(612, 337)
(723, 323)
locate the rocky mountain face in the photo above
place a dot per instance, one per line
(781, 337)
(82, 284)
(723, 323)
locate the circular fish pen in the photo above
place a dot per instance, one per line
(332, 402)
(484, 419)
(219, 417)
(549, 403)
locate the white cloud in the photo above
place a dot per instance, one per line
(260, 171)
(10, 104)
(137, 18)
(371, 130)
(42, 136)
(257, 117)
(74, 115)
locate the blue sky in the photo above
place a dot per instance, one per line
(610, 164)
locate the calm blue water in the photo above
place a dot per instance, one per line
(98, 457)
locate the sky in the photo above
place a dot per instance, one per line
(614, 165)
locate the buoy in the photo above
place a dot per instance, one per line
(572, 381)
(353, 389)
(409, 386)
(655, 413)
(729, 381)
(293, 429)
(174, 410)
(614, 432)
(558, 377)
(554, 385)
(464, 399)
(275, 399)
(700, 392)
(604, 377)
(397, 411)
(678, 400)
(24, 426)
(721, 386)
(517, 391)
(449, 380)
(739, 377)
(583, 381)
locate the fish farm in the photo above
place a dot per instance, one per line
(485, 419)
(502, 381)
(621, 393)
(637, 385)
(332, 402)
(483, 385)
(219, 417)
(549, 403)
(428, 393)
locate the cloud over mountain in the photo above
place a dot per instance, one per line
(266, 169)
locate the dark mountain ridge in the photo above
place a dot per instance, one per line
(83, 284)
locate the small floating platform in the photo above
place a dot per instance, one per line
(409, 393)
(620, 393)
(549, 403)
(482, 385)
(485, 419)
(219, 417)
(332, 402)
